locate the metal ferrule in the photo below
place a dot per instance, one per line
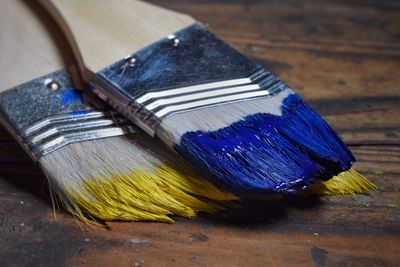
(47, 113)
(190, 69)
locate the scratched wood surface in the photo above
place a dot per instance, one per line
(344, 58)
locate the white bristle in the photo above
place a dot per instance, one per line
(217, 117)
(73, 164)
(118, 178)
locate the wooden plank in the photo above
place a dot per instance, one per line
(336, 230)
(343, 58)
(4, 135)
(367, 24)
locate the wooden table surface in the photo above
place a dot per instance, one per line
(344, 59)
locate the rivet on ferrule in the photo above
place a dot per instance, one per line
(130, 61)
(174, 39)
(52, 84)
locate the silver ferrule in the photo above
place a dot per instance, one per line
(190, 69)
(48, 113)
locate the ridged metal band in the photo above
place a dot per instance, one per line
(162, 104)
(45, 136)
(188, 70)
(44, 118)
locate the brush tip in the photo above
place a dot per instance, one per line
(349, 182)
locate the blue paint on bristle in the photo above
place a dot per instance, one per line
(245, 158)
(301, 124)
(268, 152)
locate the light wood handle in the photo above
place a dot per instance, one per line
(102, 32)
(30, 46)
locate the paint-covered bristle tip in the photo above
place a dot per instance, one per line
(118, 179)
(346, 183)
(128, 198)
(246, 158)
(305, 128)
(280, 149)
(146, 196)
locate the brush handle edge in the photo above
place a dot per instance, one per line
(102, 32)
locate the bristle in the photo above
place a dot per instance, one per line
(346, 183)
(195, 185)
(273, 143)
(251, 159)
(116, 179)
(283, 148)
(305, 128)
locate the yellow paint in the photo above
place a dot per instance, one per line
(346, 183)
(143, 195)
(154, 196)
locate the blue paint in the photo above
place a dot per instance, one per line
(70, 96)
(54, 98)
(81, 112)
(301, 124)
(270, 153)
(245, 158)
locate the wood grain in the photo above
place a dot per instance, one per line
(28, 50)
(102, 32)
(343, 57)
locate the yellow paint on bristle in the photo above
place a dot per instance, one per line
(164, 191)
(186, 186)
(148, 196)
(346, 183)
(192, 183)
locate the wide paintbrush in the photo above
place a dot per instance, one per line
(100, 165)
(225, 114)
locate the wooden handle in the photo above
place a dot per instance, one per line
(29, 46)
(102, 32)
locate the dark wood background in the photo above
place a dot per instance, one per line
(343, 57)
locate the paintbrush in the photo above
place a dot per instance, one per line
(108, 178)
(225, 114)
(98, 164)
